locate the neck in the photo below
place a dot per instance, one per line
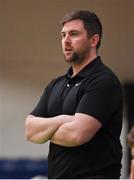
(79, 66)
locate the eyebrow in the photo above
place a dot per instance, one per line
(71, 31)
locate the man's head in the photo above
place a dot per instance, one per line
(90, 20)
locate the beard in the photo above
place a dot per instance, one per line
(77, 57)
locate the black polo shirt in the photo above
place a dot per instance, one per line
(95, 91)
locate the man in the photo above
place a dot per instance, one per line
(80, 113)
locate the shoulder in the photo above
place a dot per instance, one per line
(104, 78)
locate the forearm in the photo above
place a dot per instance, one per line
(80, 130)
(39, 130)
(66, 135)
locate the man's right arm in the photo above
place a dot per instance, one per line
(39, 130)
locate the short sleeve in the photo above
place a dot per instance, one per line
(41, 109)
(101, 99)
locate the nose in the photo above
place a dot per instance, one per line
(67, 39)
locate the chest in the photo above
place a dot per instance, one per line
(64, 97)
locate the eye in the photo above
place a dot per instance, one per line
(74, 33)
(63, 35)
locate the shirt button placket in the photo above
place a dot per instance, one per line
(68, 85)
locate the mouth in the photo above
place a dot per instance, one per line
(67, 49)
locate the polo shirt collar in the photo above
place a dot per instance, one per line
(86, 70)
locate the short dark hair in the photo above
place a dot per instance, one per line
(90, 20)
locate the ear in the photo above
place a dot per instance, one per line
(94, 40)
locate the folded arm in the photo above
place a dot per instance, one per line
(39, 130)
(77, 132)
(64, 130)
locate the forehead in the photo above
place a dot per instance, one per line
(73, 25)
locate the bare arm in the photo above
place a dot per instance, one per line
(39, 130)
(64, 130)
(77, 132)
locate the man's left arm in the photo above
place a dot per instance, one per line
(77, 132)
